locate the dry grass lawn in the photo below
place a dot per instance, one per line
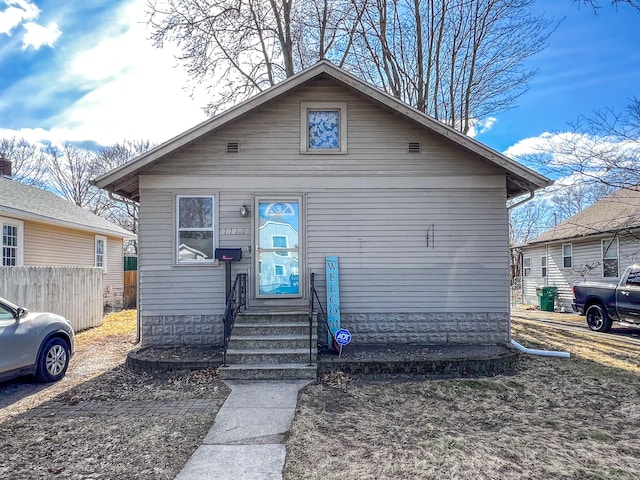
(554, 419)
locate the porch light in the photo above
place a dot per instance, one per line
(244, 210)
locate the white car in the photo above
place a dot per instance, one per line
(39, 344)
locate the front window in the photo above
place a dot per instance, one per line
(195, 229)
(101, 252)
(543, 265)
(526, 266)
(567, 255)
(610, 258)
(324, 127)
(11, 243)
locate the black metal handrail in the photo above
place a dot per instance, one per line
(237, 299)
(313, 296)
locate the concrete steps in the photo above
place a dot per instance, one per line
(271, 345)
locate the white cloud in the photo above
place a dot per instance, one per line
(479, 126)
(133, 90)
(17, 11)
(37, 35)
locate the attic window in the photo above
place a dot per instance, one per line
(414, 147)
(233, 147)
(323, 127)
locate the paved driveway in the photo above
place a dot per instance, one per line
(575, 322)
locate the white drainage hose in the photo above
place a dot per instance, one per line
(544, 353)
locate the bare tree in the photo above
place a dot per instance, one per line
(595, 4)
(29, 164)
(457, 60)
(70, 170)
(119, 210)
(236, 48)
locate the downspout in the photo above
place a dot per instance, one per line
(509, 207)
(532, 351)
(138, 326)
(544, 353)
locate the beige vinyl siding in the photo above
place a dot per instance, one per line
(586, 266)
(372, 207)
(51, 245)
(385, 262)
(270, 145)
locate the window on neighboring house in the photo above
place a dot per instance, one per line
(195, 241)
(543, 266)
(567, 255)
(526, 266)
(12, 242)
(279, 269)
(610, 257)
(323, 127)
(280, 241)
(101, 252)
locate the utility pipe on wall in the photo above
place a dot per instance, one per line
(544, 353)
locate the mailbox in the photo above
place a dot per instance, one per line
(228, 254)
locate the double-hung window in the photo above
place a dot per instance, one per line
(543, 266)
(610, 257)
(12, 242)
(567, 255)
(195, 239)
(101, 252)
(323, 127)
(526, 266)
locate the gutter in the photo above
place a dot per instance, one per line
(525, 200)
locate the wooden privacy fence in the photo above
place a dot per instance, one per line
(73, 292)
(130, 289)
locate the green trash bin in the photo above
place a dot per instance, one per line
(546, 298)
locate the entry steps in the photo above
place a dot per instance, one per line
(271, 345)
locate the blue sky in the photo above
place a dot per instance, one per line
(84, 71)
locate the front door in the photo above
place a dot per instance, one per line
(278, 247)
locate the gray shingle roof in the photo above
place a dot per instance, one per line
(27, 202)
(618, 211)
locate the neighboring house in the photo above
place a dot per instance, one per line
(596, 244)
(320, 165)
(43, 229)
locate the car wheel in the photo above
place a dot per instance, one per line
(53, 360)
(597, 319)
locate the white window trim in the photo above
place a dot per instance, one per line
(543, 267)
(525, 268)
(104, 253)
(617, 243)
(569, 256)
(305, 107)
(214, 229)
(20, 225)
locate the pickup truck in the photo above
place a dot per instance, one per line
(604, 303)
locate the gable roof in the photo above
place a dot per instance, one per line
(123, 180)
(26, 202)
(615, 212)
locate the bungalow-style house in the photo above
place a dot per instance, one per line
(43, 229)
(324, 164)
(597, 244)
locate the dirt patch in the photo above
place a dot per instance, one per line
(103, 421)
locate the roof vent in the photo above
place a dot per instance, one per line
(414, 147)
(233, 147)
(5, 166)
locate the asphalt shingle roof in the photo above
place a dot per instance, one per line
(618, 211)
(34, 203)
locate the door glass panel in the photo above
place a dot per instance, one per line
(279, 251)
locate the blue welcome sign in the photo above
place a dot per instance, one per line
(333, 296)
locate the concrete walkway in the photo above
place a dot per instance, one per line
(247, 439)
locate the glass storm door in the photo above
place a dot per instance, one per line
(278, 247)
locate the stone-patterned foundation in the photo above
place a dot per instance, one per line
(182, 330)
(425, 328)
